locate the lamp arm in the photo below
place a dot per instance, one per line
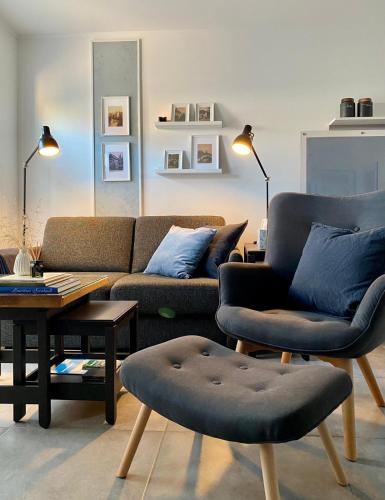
(25, 191)
(267, 179)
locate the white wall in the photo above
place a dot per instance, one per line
(8, 131)
(280, 79)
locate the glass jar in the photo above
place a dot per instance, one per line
(37, 268)
(347, 107)
(365, 106)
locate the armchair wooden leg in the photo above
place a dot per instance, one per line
(134, 440)
(348, 413)
(367, 372)
(269, 472)
(243, 347)
(332, 454)
(286, 357)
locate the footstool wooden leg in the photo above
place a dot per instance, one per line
(134, 441)
(332, 454)
(269, 473)
(348, 412)
(367, 372)
(286, 357)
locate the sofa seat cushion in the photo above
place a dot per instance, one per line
(295, 331)
(193, 296)
(104, 292)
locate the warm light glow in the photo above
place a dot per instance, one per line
(49, 151)
(241, 149)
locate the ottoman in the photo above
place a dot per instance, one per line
(215, 391)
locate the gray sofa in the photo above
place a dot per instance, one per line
(120, 247)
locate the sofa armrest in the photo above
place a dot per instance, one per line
(235, 256)
(7, 259)
(255, 286)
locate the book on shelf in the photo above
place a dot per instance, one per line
(47, 279)
(89, 369)
(41, 290)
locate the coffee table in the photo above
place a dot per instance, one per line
(36, 312)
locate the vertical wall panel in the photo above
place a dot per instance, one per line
(115, 73)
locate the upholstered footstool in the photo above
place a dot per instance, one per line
(218, 392)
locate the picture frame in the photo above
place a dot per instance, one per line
(116, 162)
(204, 112)
(173, 159)
(180, 112)
(205, 152)
(116, 115)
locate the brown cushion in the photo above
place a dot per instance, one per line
(88, 243)
(184, 296)
(150, 231)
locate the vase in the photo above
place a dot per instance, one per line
(22, 266)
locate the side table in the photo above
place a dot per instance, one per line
(94, 318)
(252, 253)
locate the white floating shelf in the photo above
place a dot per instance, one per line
(358, 122)
(188, 171)
(193, 124)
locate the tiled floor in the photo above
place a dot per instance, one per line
(77, 457)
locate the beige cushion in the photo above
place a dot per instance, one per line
(150, 231)
(88, 243)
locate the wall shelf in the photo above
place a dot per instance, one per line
(187, 125)
(358, 122)
(188, 171)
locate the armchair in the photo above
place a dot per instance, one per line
(253, 298)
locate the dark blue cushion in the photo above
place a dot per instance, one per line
(336, 268)
(224, 241)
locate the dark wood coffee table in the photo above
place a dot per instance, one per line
(36, 312)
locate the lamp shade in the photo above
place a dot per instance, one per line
(47, 144)
(242, 144)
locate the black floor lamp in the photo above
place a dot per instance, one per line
(243, 145)
(47, 146)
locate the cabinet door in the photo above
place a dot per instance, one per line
(344, 166)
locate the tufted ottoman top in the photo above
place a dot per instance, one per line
(215, 391)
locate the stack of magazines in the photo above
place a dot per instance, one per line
(50, 283)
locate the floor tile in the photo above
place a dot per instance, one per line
(71, 463)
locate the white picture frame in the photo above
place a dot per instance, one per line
(180, 112)
(116, 162)
(173, 159)
(204, 112)
(205, 152)
(116, 115)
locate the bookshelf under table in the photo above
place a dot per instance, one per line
(39, 315)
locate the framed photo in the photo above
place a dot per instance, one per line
(205, 152)
(180, 112)
(173, 159)
(116, 162)
(116, 115)
(204, 112)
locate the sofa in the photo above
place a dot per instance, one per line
(120, 248)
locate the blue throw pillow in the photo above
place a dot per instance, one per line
(219, 250)
(336, 268)
(180, 251)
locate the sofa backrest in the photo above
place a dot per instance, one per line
(291, 216)
(150, 231)
(88, 243)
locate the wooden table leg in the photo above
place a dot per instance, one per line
(85, 344)
(110, 379)
(134, 332)
(44, 373)
(19, 409)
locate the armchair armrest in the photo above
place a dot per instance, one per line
(235, 256)
(7, 259)
(255, 286)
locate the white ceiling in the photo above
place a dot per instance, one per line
(82, 16)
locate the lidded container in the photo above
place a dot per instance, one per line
(365, 107)
(347, 107)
